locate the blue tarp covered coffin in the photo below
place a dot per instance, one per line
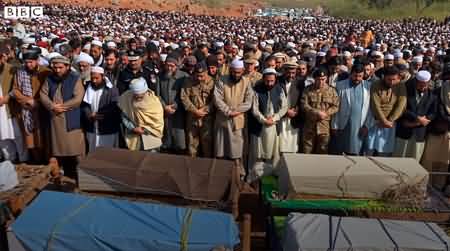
(62, 222)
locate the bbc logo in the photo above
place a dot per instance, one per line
(25, 12)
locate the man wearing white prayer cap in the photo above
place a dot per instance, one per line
(142, 117)
(388, 60)
(264, 125)
(233, 98)
(416, 64)
(97, 52)
(99, 111)
(111, 45)
(420, 111)
(83, 63)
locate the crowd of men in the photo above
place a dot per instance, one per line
(248, 90)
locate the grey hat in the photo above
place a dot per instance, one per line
(60, 59)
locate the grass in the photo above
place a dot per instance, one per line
(356, 9)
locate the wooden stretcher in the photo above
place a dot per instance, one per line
(436, 208)
(32, 180)
(244, 221)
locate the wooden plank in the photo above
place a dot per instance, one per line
(32, 179)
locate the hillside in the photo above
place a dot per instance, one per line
(341, 8)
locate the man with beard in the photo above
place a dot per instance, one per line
(291, 123)
(404, 72)
(197, 97)
(84, 63)
(99, 111)
(303, 73)
(388, 101)
(171, 80)
(97, 52)
(436, 157)
(189, 63)
(134, 70)
(223, 67)
(111, 66)
(269, 107)
(142, 117)
(350, 124)
(30, 113)
(369, 72)
(420, 111)
(388, 62)
(233, 98)
(62, 94)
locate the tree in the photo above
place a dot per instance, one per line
(421, 5)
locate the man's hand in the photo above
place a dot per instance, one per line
(322, 115)
(169, 109)
(138, 130)
(30, 104)
(363, 132)
(335, 131)
(385, 124)
(234, 114)
(59, 108)
(200, 113)
(93, 117)
(388, 124)
(423, 120)
(2, 101)
(269, 121)
(291, 113)
(99, 116)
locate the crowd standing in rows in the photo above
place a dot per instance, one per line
(248, 90)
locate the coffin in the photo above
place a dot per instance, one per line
(351, 177)
(316, 232)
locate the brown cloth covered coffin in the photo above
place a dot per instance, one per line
(127, 171)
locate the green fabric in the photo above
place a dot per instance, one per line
(269, 186)
(279, 222)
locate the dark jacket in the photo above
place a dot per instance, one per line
(126, 75)
(426, 107)
(108, 108)
(441, 123)
(299, 85)
(262, 94)
(68, 86)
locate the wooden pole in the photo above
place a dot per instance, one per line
(246, 230)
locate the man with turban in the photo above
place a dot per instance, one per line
(142, 116)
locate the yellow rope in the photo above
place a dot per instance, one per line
(187, 221)
(65, 220)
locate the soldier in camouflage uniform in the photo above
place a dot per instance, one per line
(197, 97)
(250, 70)
(319, 102)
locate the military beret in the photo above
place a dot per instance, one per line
(133, 55)
(320, 72)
